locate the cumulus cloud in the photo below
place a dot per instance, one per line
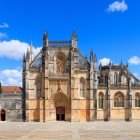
(14, 49)
(36, 50)
(135, 60)
(118, 6)
(4, 25)
(104, 61)
(3, 35)
(11, 77)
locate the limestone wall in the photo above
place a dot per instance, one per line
(100, 115)
(12, 107)
(136, 114)
(117, 114)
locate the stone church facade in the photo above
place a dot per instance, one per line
(61, 84)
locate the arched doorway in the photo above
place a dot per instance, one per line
(60, 113)
(3, 115)
(62, 106)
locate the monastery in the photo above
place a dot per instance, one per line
(60, 84)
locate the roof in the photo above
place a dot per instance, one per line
(58, 43)
(113, 67)
(11, 89)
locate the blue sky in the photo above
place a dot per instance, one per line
(111, 28)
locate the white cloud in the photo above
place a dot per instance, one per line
(11, 77)
(118, 6)
(135, 60)
(36, 50)
(12, 81)
(3, 35)
(4, 25)
(104, 61)
(14, 49)
(11, 73)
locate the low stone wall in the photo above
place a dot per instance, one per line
(12, 104)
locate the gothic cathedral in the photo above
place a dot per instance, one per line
(59, 83)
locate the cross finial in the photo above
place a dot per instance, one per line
(45, 39)
(74, 35)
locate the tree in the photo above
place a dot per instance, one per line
(0, 88)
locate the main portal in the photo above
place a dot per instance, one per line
(60, 113)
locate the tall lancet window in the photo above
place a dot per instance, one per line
(82, 88)
(119, 100)
(101, 79)
(100, 100)
(137, 100)
(116, 78)
(106, 79)
(60, 63)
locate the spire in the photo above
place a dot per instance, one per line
(24, 57)
(24, 62)
(74, 39)
(74, 35)
(31, 47)
(45, 39)
(95, 58)
(91, 55)
(110, 64)
(27, 54)
(121, 63)
(31, 50)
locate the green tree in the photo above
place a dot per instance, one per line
(0, 88)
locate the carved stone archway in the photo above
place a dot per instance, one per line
(62, 105)
(60, 99)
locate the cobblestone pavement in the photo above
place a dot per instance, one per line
(70, 131)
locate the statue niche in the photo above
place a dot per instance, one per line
(60, 63)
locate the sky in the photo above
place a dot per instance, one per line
(111, 28)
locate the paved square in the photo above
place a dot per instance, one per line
(70, 131)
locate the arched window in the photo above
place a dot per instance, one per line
(3, 115)
(116, 78)
(100, 100)
(119, 100)
(60, 62)
(101, 79)
(120, 78)
(82, 87)
(137, 100)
